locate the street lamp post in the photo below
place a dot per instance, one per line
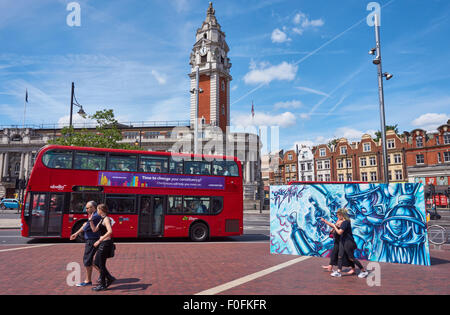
(377, 62)
(81, 112)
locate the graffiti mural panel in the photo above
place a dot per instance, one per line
(388, 221)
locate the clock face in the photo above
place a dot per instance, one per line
(203, 51)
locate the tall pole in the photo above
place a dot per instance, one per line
(197, 79)
(381, 97)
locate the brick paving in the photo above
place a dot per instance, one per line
(189, 268)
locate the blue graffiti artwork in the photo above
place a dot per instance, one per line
(388, 221)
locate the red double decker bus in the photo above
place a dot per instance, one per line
(148, 194)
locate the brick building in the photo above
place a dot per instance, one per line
(360, 161)
(428, 157)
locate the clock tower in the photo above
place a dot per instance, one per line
(210, 55)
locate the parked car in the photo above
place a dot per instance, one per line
(10, 204)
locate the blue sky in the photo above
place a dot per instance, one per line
(304, 64)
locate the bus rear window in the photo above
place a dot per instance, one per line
(57, 159)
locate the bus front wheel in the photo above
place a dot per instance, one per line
(80, 237)
(199, 232)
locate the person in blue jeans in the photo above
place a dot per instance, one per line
(90, 239)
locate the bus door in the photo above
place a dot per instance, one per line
(46, 214)
(151, 216)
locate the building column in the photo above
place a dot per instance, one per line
(5, 164)
(1, 165)
(22, 164)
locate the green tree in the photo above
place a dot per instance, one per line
(389, 127)
(106, 135)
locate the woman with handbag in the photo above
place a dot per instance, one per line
(105, 247)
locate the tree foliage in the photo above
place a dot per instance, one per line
(388, 127)
(106, 135)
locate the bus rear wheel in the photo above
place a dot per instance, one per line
(199, 232)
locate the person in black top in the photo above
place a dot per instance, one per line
(105, 247)
(90, 238)
(347, 244)
(335, 251)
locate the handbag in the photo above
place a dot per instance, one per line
(112, 252)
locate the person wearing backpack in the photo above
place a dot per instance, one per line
(105, 247)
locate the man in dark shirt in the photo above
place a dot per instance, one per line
(90, 238)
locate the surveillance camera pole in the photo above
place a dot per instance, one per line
(381, 97)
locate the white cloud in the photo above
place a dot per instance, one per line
(288, 104)
(278, 36)
(285, 119)
(430, 121)
(266, 74)
(159, 77)
(303, 22)
(352, 134)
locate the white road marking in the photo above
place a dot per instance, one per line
(25, 247)
(251, 277)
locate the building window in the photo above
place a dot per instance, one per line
(420, 159)
(389, 159)
(302, 167)
(322, 152)
(340, 164)
(372, 161)
(398, 175)
(364, 176)
(294, 169)
(349, 163)
(366, 147)
(391, 144)
(327, 177)
(343, 150)
(363, 161)
(397, 158)
(319, 165)
(373, 176)
(419, 141)
(290, 157)
(341, 177)
(320, 178)
(447, 157)
(439, 158)
(437, 140)
(327, 164)
(287, 169)
(349, 177)
(447, 138)
(310, 178)
(309, 166)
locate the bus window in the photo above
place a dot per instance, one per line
(176, 167)
(124, 163)
(89, 161)
(175, 204)
(197, 168)
(196, 205)
(121, 204)
(78, 201)
(153, 164)
(232, 169)
(57, 159)
(216, 205)
(218, 167)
